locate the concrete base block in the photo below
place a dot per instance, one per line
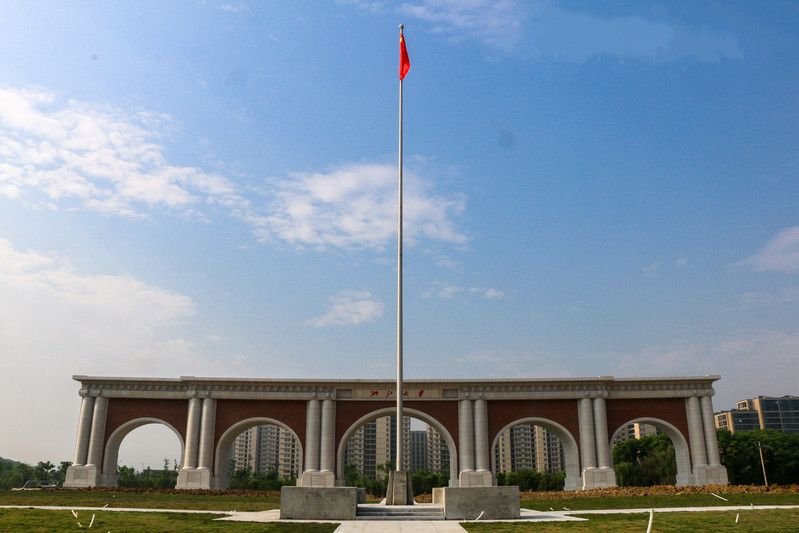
(82, 476)
(399, 491)
(194, 478)
(476, 479)
(684, 480)
(316, 479)
(467, 503)
(573, 483)
(710, 475)
(598, 478)
(318, 503)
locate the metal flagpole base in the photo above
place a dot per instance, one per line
(399, 491)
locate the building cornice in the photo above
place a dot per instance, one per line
(381, 389)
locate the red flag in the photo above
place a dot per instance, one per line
(405, 61)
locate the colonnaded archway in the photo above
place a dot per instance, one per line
(571, 454)
(407, 412)
(111, 455)
(682, 451)
(223, 447)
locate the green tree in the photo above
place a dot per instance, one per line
(740, 455)
(644, 462)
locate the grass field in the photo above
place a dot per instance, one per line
(749, 521)
(44, 520)
(203, 501)
(34, 520)
(658, 500)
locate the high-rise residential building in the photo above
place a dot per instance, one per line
(761, 412)
(636, 430)
(418, 451)
(372, 447)
(266, 448)
(528, 447)
(437, 451)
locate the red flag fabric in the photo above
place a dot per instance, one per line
(405, 61)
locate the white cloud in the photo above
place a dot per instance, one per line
(577, 36)
(571, 35)
(754, 300)
(350, 308)
(56, 322)
(495, 22)
(749, 364)
(355, 207)
(651, 270)
(441, 289)
(75, 155)
(78, 155)
(780, 254)
(234, 7)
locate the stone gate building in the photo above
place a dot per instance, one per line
(206, 415)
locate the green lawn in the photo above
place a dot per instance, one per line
(35, 520)
(783, 520)
(664, 500)
(146, 500)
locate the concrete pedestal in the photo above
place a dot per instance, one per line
(399, 491)
(316, 479)
(469, 503)
(710, 475)
(82, 476)
(318, 503)
(194, 478)
(481, 478)
(598, 478)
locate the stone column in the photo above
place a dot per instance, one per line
(312, 421)
(207, 428)
(84, 430)
(711, 442)
(97, 438)
(481, 454)
(587, 433)
(714, 472)
(192, 433)
(601, 433)
(327, 443)
(696, 434)
(466, 435)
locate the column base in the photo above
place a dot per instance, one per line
(710, 475)
(572, 483)
(599, 478)
(479, 478)
(82, 476)
(399, 491)
(316, 479)
(194, 478)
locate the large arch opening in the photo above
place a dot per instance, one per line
(264, 449)
(369, 441)
(634, 473)
(157, 471)
(538, 445)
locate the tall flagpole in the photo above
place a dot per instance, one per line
(400, 426)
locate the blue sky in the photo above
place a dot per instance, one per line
(208, 188)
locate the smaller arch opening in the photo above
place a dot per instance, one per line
(650, 451)
(257, 454)
(144, 453)
(534, 454)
